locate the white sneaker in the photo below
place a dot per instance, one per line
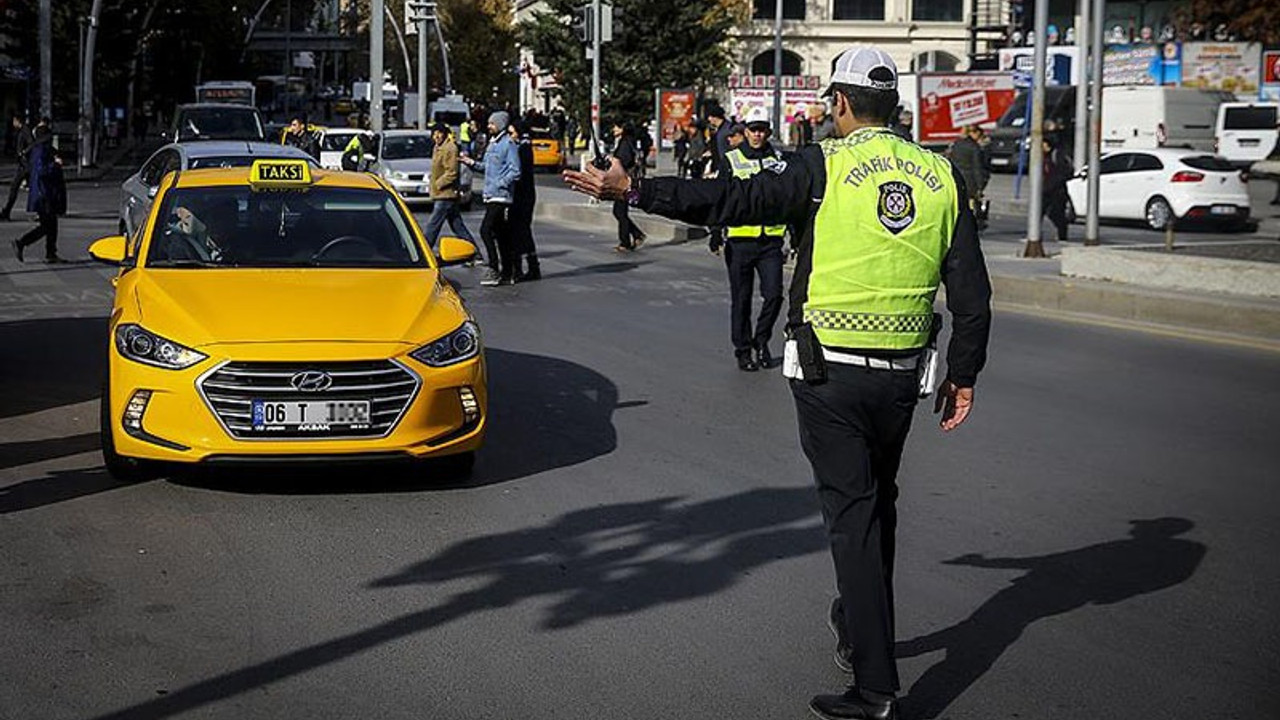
(491, 277)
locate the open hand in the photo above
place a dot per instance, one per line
(611, 184)
(954, 403)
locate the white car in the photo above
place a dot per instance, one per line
(333, 142)
(404, 161)
(1160, 186)
(139, 189)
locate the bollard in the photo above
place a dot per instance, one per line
(1168, 236)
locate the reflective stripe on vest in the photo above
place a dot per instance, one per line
(879, 238)
(743, 168)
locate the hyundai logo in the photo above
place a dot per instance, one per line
(311, 381)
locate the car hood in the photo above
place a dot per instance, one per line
(200, 307)
(414, 165)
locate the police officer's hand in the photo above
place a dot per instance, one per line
(954, 403)
(611, 184)
(714, 243)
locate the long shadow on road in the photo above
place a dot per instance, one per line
(589, 564)
(1153, 558)
(50, 363)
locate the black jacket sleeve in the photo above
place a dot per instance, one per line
(783, 194)
(964, 272)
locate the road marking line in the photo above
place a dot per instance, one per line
(1147, 328)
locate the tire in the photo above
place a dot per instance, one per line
(1158, 213)
(1070, 212)
(119, 467)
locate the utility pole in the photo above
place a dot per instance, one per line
(595, 67)
(376, 31)
(444, 56)
(777, 68)
(1095, 124)
(1078, 153)
(1034, 248)
(421, 13)
(45, 34)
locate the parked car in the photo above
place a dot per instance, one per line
(403, 159)
(547, 153)
(332, 142)
(1149, 117)
(1162, 186)
(138, 191)
(1059, 120)
(215, 121)
(1247, 132)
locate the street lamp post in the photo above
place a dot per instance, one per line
(1095, 125)
(376, 31)
(777, 66)
(1034, 248)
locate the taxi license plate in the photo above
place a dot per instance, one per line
(310, 415)
(1223, 210)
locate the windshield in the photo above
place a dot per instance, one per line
(399, 147)
(335, 141)
(449, 117)
(235, 226)
(219, 124)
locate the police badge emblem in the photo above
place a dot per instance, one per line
(897, 209)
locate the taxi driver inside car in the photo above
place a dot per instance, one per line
(269, 313)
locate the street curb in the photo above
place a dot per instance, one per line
(1256, 321)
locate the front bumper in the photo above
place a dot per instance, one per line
(411, 189)
(180, 423)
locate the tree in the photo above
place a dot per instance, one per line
(656, 43)
(1248, 20)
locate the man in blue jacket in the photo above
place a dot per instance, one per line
(47, 197)
(501, 170)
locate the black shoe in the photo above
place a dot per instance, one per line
(54, 260)
(844, 651)
(851, 705)
(764, 358)
(746, 363)
(17, 249)
(5, 217)
(505, 281)
(530, 276)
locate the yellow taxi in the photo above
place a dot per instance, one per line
(547, 152)
(281, 312)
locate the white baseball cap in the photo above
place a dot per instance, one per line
(864, 66)
(757, 115)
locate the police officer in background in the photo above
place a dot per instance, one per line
(879, 222)
(754, 250)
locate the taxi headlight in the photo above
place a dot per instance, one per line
(461, 344)
(146, 347)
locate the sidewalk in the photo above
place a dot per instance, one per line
(1018, 283)
(127, 152)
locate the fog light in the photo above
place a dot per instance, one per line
(470, 406)
(134, 410)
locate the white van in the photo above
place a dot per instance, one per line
(1148, 117)
(1247, 132)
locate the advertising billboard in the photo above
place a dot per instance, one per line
(1062, 63)
(950, 101)
(742, 100)
(1142, 64)
(1230, 66)
(675, 110)
(1270, 75)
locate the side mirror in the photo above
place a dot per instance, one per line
(109, 250)
(454, 251)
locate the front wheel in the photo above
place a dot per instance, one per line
(1159, 214)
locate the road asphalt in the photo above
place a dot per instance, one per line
(640, 539)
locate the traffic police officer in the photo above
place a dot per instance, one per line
(879, 223)
(753, 250)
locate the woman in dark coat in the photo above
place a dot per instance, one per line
(47, 198)
(630, 236)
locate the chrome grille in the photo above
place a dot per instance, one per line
(230, 389)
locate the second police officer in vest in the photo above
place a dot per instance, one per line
(751, 251)
(879, 223)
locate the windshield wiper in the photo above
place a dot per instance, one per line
(186, 263)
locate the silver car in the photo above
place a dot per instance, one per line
(404, 161)
(139, 190)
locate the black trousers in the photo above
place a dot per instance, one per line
(1055, 208)
(495, 229)
(48, 229)
(627, 230)
(746, 260)
(852, 428)
(520, 219)
(19, 179)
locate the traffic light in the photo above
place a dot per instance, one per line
(584, 24)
